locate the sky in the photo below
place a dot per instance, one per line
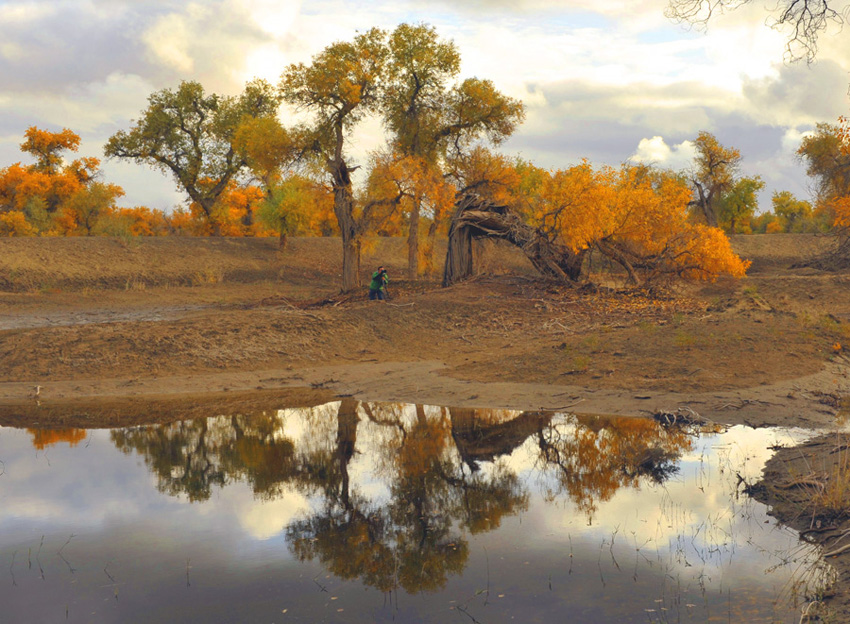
(606, 80)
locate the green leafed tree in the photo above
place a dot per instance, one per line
(274, 153)
(737, 206)
(428, 114)
(795, 214)
(340, 87)
(713, 175)
(189, 134)
(826, 162)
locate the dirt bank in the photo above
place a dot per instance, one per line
(764, 350)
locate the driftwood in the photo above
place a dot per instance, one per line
(477, 218)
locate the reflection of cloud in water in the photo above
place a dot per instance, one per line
(265, 519)
(697, 520)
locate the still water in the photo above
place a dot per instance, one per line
(360, 512)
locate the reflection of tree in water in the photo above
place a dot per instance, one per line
(414, 540)
(193, 456)
(42, 438)
(443, 471)
(594, 456)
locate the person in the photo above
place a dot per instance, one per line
(378, 285)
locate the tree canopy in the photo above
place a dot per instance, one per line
(189, 134)
(403, 77)
(53, 196)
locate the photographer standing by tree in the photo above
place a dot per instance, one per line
(378, 285)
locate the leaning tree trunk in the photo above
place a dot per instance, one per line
(475, 218)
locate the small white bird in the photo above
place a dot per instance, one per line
(36, 393)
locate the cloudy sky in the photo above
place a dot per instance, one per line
(608, 80)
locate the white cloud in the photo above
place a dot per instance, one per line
(168, 42)
(19, 13)
(655, 151)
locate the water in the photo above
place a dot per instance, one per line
(354, 512)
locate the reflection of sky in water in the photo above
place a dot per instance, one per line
(690, 549)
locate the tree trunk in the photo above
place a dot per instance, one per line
(413, 242)
(475, 218)
(346, 439)
(429, 248)
(459, 252)
(705, 204)
(207, 207)
(344, 211)
(282, 239)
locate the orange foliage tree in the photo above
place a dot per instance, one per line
(413, 192)
(635, 216)
(52, 196)
(294, 202)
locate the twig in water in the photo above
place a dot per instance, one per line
(68, 541)
(487, 558)
(37, 560)
(465, 339)
(71, 569)
(467, 614)
(562, 407)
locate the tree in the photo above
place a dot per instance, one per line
(419, 190)
(340, 87)
(35, 198)
(190, 135)
(826, 153)
(738, 204)
(795, 214)
(804, 19)
(426, 115)
(419, 68)
(713, 175)
(635, 216)
(46, 147)
(827, 161)
(88, 206)
(294, 201)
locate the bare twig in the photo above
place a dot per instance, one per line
(563, 407)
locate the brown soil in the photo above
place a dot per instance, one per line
(187, 323)
(102, 318)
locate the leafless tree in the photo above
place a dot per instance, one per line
(805, 20)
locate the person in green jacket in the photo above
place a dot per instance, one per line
(378, 285)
